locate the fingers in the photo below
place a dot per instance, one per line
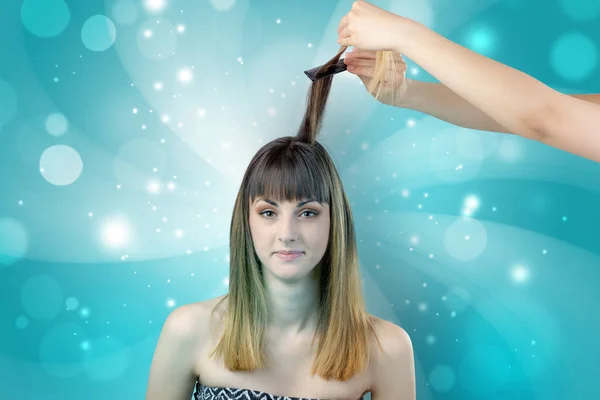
(346, 41)
(361, 54)
(360, 63)
(345, 33)
(370, 62)
(343, 23)
(365, 72)
(370, 55)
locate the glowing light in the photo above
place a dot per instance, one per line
(155, 5)
(470, 205)
(153, 186)
(116, 232)
(185, 75)
(519, 274)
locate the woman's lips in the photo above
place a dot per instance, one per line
(289, 256)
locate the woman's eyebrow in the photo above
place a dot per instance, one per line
(298, 205)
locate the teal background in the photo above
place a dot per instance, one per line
(125, 129)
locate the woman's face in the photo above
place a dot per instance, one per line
(298, 226)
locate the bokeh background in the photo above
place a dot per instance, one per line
(125, 129)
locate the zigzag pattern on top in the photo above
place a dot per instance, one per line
(220, 393)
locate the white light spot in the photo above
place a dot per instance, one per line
(56, 124)
(153, 186)
(155, 6)
(185, 75)
(60, 165)
(470, 205)
(520, 273)
(116, 232)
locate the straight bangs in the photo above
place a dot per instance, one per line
(290, 173)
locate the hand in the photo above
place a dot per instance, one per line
(369, 27)
(362, 63)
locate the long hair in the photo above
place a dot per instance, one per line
(291, 168)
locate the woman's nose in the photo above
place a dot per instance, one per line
(289, 229)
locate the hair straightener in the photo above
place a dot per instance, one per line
(314, 73)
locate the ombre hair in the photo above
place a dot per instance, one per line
(292, 168)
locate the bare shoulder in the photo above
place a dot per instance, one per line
(394, 371)
(392, 337)
(191, 321)
(187, 325)
(172, 370)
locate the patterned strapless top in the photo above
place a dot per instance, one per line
(221, 393)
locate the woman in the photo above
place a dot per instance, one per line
(474, 91)
(293, 322)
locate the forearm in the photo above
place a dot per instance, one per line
(437, 100)
(507, 96)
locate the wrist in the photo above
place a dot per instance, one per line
(405, 30)
(407, 95)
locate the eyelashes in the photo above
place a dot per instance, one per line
(305, 211)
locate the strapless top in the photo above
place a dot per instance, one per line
(222, 393)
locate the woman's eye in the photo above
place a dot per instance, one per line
(303, 213)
